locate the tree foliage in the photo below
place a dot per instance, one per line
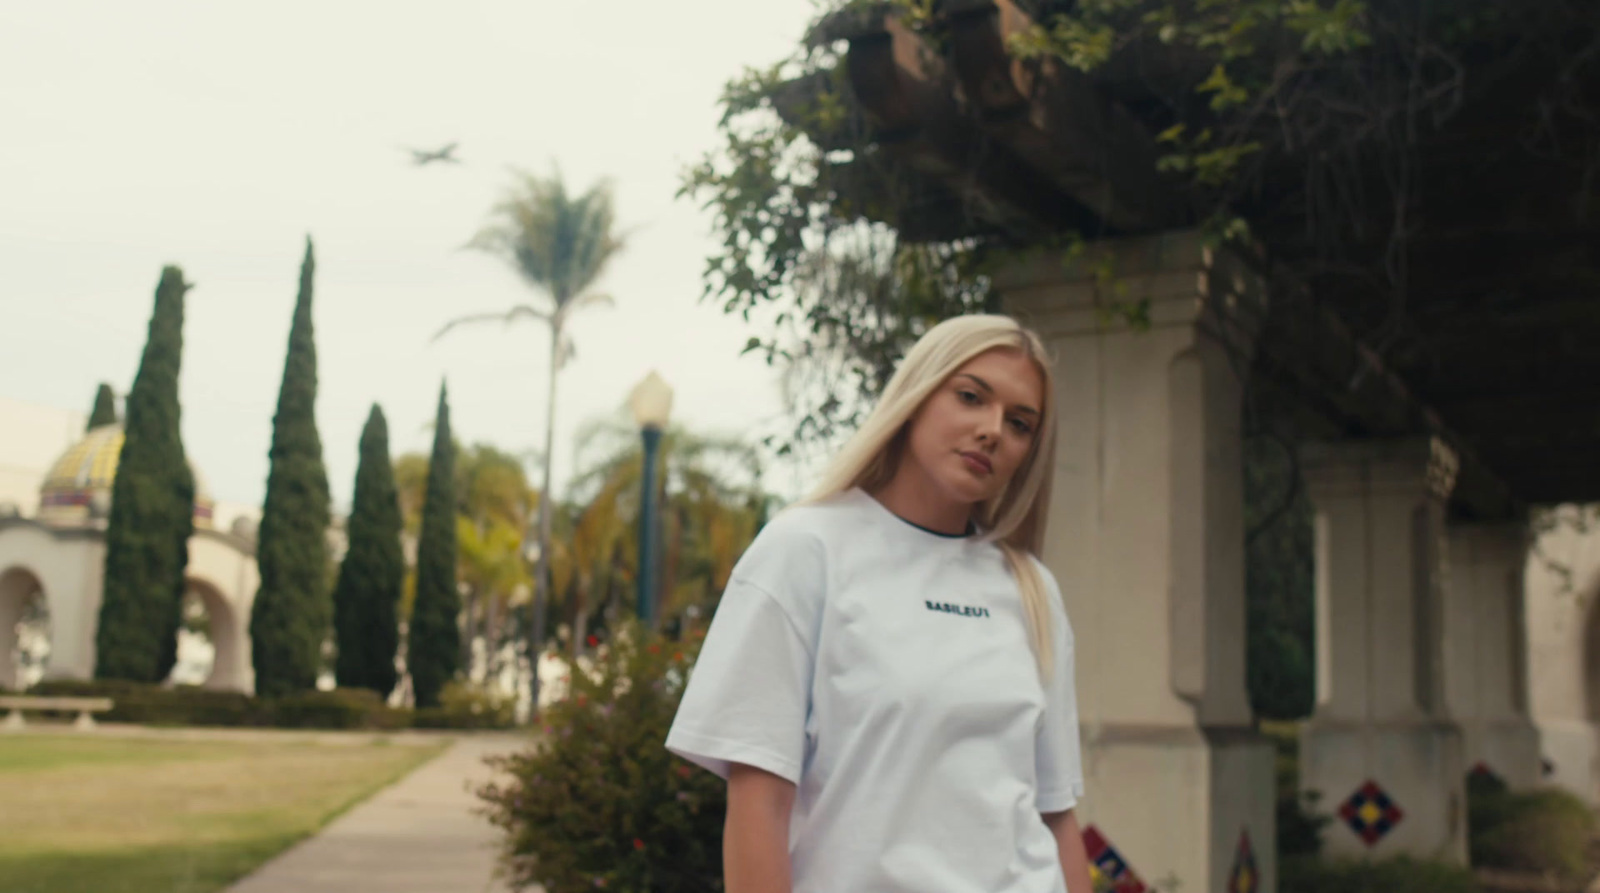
(1280, 592)
(366, 598)
(711, 505)
(433, 648)
(1302, 125)
(292, 614)
(105, 408)
(152, 510)
(560, 245)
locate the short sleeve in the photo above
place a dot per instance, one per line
(1058, 751)
(749, 693)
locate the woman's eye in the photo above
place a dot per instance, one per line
(1021, 426)
(967, 396)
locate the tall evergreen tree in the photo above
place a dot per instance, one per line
(105, 408)
(433, 650)
(366, 599)
(292, 613)
(152, 510)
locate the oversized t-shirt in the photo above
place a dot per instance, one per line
(886, 671)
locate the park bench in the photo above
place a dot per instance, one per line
(84, 707)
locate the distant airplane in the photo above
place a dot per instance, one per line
(421, 157)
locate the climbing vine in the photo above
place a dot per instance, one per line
(1298, 125)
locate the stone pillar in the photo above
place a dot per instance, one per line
(1485, 652)
(74, 587)
(1563, 620)
(1146, 537)
(1379, 749)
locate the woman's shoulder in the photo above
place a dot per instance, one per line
(801, 542)
(793, 547)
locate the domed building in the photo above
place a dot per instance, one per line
(58, 556)
(77, 491)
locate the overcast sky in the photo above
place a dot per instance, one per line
(217, 136)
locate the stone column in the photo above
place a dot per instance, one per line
(1146, 537)
(1485, 651)
(1378, 749)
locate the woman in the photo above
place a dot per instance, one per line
(887, 684)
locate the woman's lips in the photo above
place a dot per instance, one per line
(977, 462)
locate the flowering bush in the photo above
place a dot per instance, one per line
(597, 802)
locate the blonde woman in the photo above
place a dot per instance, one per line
(887, 684)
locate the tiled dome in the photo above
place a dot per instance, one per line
(78, 488)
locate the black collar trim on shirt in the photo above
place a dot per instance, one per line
(971, 529)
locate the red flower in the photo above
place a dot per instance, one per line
(655, 649)
(678, 656)
(684, 771)
(638, 844)
(593, 641)
(582, 700)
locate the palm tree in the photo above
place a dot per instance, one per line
(560, 245)
(712, 507)
(491, 566)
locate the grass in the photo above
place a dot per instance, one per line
(96, 814)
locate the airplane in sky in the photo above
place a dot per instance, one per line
(446, 154)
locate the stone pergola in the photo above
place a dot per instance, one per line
(1421, 464)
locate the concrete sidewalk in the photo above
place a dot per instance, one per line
(418, 836)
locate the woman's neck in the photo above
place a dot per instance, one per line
(921, 503)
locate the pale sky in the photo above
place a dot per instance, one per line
(217, 136)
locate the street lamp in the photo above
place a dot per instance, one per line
(651, 402)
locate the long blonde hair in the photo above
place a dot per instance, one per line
(1015, 519)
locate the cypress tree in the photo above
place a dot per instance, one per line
(152, 510)
(366, 598)
(433, 649)
(291, 615)
(105, 408)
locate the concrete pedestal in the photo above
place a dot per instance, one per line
(1485, 654)
(1572, 749)
(1378, 749)
(1416, 765)
(1146, 538)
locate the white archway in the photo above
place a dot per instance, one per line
(21, 593)
(209, 662)
(222, 574)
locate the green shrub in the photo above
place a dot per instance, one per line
(341, 708)
(1544, 830)
(1298, 822)
(144, 703)
(1305, 874)
(597, 801)
(463, 705)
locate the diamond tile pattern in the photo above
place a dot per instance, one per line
(1107, 868)
(1244, 878)
(1371, 813)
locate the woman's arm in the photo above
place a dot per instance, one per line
(755, 839)
(1069, 842)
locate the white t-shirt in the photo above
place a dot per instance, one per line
(886, 671)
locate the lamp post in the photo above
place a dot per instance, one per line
(651, 402)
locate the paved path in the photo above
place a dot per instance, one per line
(418, 836)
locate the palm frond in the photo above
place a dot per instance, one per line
(506, 317)
(558, 243)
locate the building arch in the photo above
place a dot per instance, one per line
(19, 587)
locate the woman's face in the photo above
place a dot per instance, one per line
(972, 433)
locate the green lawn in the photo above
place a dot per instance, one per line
(98, 814)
